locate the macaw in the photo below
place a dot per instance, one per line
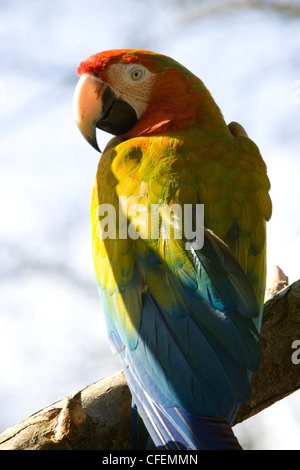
(183, 312)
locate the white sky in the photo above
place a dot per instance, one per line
(52, 333)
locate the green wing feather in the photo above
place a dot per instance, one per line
(228, 177)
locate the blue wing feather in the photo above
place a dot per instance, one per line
(193, 364)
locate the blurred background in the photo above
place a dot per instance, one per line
(52, 333)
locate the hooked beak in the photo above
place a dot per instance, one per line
(97, 106)
(88, 106)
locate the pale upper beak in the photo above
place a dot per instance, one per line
(88, 106)
(97, 106)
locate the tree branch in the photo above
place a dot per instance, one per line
(196, 10)
(278, 375)
(98, 417)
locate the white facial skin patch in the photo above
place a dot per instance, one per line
(133, 83)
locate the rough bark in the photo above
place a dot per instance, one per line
(278, 376)
(98, 417)
(95, 418)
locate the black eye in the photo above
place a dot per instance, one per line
(136, 74)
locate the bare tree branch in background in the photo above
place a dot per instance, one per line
(195, 9)
(98, 417)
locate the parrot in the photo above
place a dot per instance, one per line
(179, 209)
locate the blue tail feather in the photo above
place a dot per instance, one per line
(174, 429)
(189, 370)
